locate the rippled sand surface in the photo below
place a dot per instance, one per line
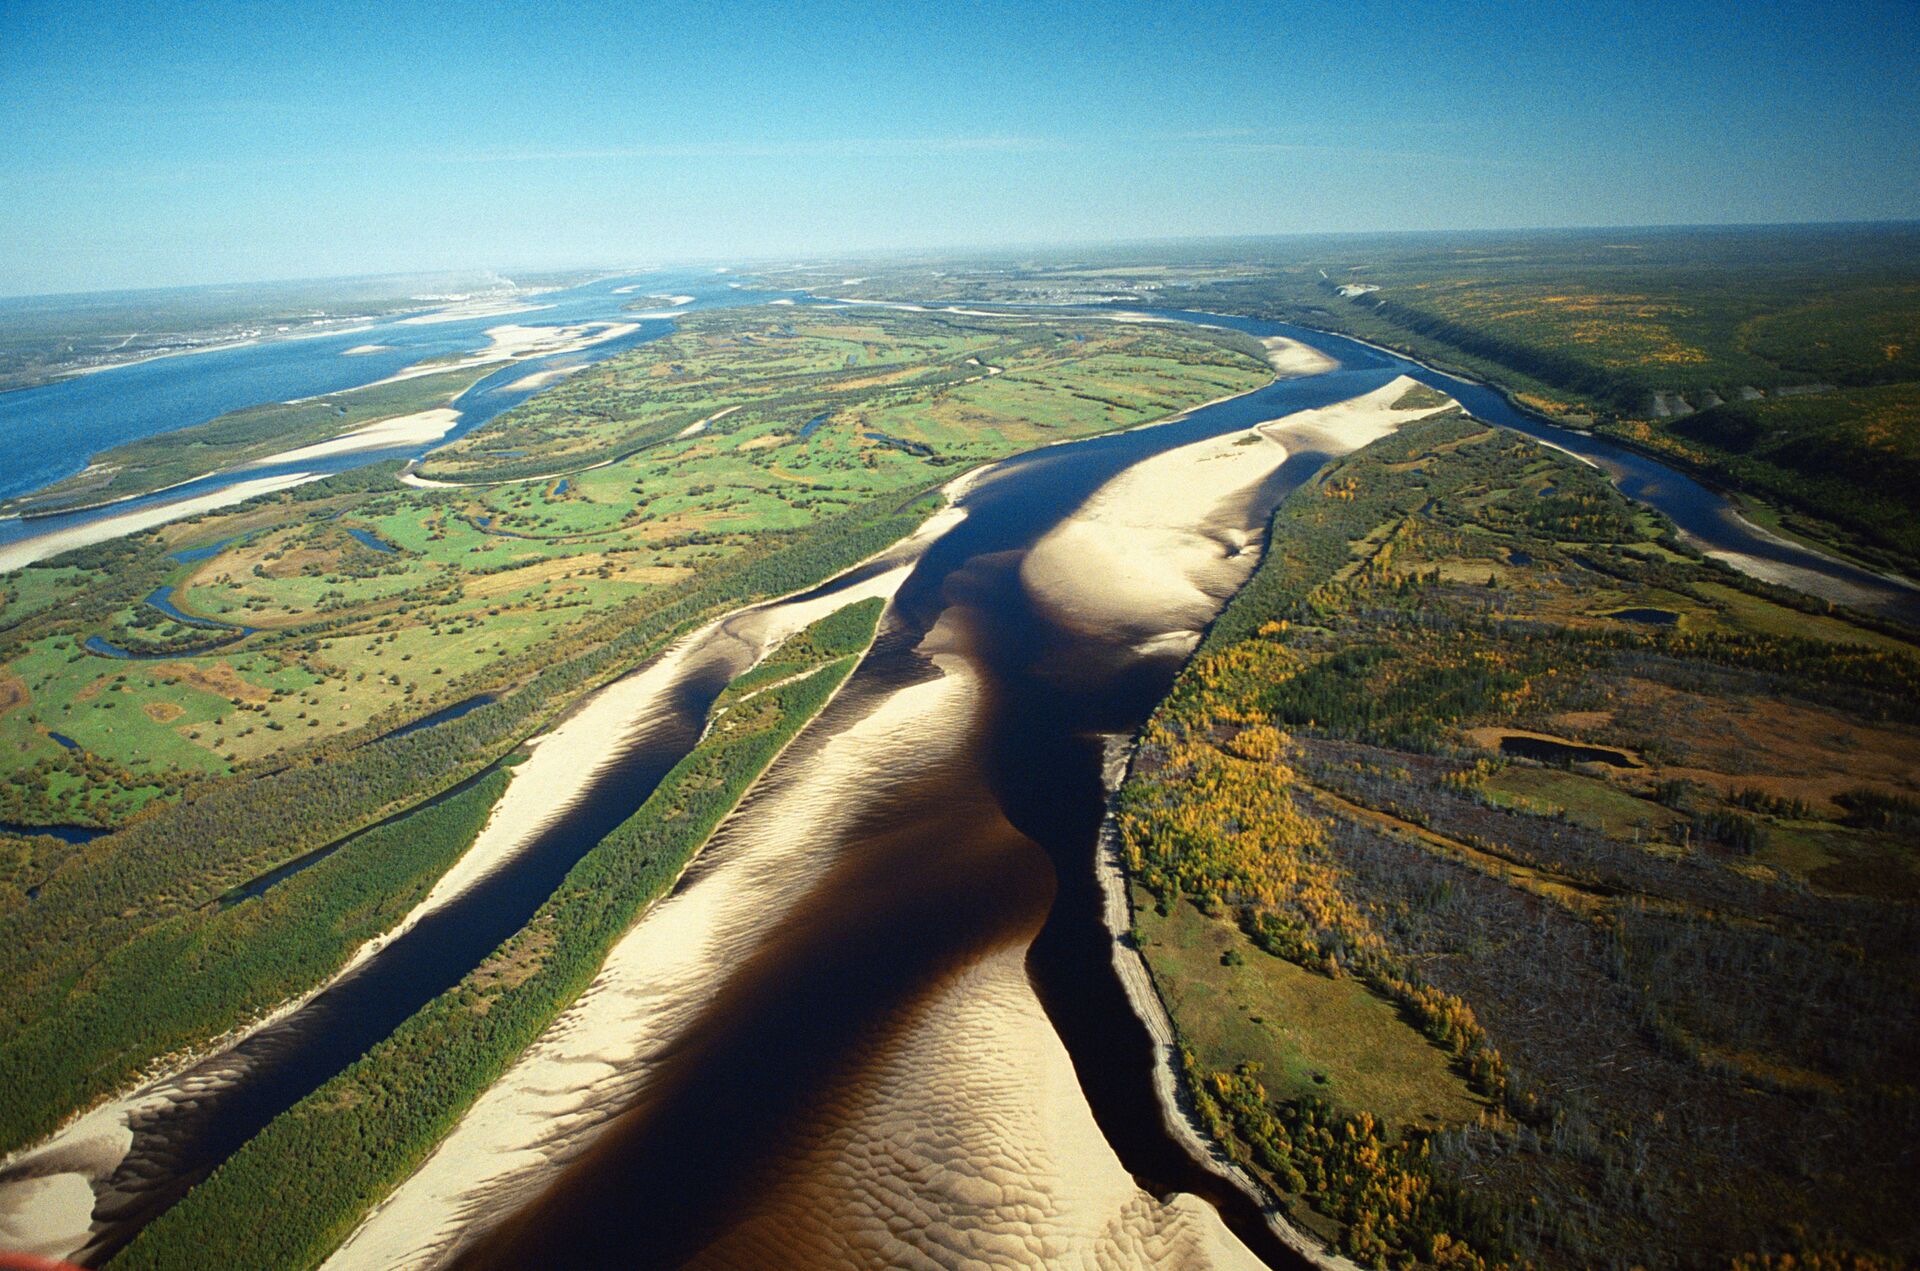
(965, 1142)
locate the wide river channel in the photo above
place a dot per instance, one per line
(924, 890)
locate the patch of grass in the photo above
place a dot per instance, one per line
(1313, 1037)
(1594, 802)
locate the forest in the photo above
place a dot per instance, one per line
(1613, 832)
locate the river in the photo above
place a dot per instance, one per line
(933, 865)
(144, 399)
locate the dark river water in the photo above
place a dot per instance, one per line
(668, 1177)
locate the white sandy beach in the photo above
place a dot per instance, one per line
(1153, 554)
(383, 434)
(1294, 359)
(27, 550)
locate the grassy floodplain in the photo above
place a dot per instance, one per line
(1527, 891)
(335, 1154)
(222, 758)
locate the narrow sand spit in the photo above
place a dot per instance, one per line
(47, 1209)
(700, 425)
(467, 309)
(632, 287)
(359, 349)
(1810, 581)
(1294, 359)
(25, 551)
(540, 379)
(409, 477)
(416, 429)
(1153, 554)
(510, 341)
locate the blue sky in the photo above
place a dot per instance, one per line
(151, 145)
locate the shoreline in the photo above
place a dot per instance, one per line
(27, 551)
(406, 315)
(1707, 480)
(504, 351)
(1136, 977)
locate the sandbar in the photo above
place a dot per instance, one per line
(417, 429)
(28, 550)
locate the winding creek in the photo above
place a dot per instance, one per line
(894, 943)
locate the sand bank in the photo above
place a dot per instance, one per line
(511, 341)
(46, 1195)
(699, 426)
(27, 550)
(1294, 359)
(1154, 553)
(540, 379)
(411, 478)
(966, 1142)
(467, 309)
(359, 350)
(417, 429)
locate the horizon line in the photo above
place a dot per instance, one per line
(800, 259)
